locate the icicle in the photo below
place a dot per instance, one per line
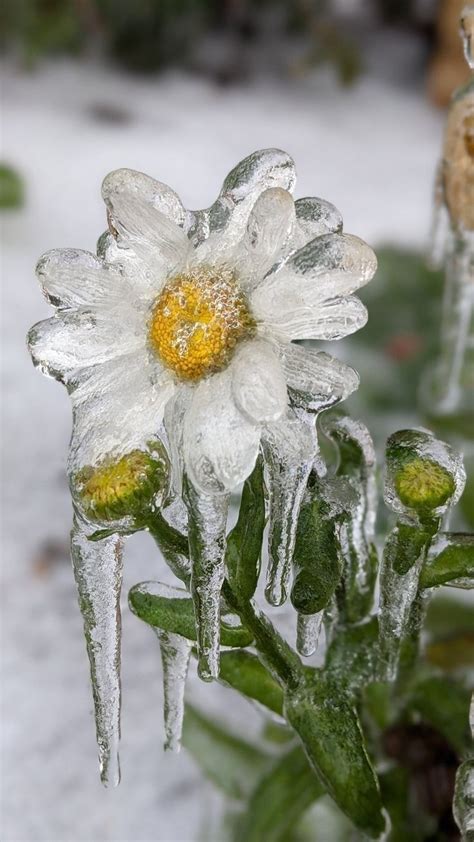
(98, 572)
(289, 450)
(308, 629)
(207, 531)
(175, 654)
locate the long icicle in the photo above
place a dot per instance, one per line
(175, 655)
(207, 543)
(98, 572)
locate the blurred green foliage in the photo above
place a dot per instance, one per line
(146, 35)
(12, 191)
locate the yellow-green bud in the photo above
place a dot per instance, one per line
(422, 484)
(127, 487)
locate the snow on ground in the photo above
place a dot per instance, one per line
(371, 150)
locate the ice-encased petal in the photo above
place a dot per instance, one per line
(76, 278)
(220, 445)
(228, 216)
(328, 267)
(289, 448)
(333, 319)
(207, 520)
(175, 411)
(117, 406)
(319, 379)
(81, 338)
(146, 217)
(269, 227)
(258, 383)
(175, 655)
(98, 572)
(316, 217)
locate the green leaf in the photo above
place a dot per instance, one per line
(455, 561)
(326, 722)
(317, 559)
(447, 615)
(244, 543)
(171, 609)
(172, 544)
(12, 192)
(234, 765)
(444, 703)
(280, 799)
(245, 672)
(352, 656)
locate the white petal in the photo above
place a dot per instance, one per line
(141, 225)
(318, 379)
(268, 229)
(147, 189)
(330, 320)
(73, 278)
(316, 217)
(220, 444)
(117, 407)
(258, 384)
(81, 338)
(329, 266)
(263, 170)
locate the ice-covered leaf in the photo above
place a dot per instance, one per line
(463, 806)
(280, 799)
(173, 545)
(352, 657)
(452, 561)
(98, 573)
(233, 764)
(327, 724)
(171, 609)
(244, 542)
(175, 654)
(245, 672)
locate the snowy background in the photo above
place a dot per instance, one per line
(370, 149)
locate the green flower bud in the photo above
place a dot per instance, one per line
(424, 475)
(124, 488)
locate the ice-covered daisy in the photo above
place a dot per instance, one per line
(188, 318)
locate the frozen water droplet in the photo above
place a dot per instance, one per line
(175, 655)
(289, 448)
(207, 542)
(307, 633)
(98, 571)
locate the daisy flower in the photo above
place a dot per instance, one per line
(185, 321)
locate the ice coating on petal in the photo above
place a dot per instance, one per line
(142, 226)
(175, 655)
(76, 278)
(258, 383)
(156, 194)
(207, 543)
(316, 217)
(269, 227)
(98, 572)
(174, 415)
(308, 630)
(329, 266)
(289, 448)
(81, 338)
(117, 407)
(316, 380)
(220, 444)
(307, 319)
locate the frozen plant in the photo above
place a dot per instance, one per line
(177, 345)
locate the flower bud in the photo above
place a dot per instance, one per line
(424, 476)
(128, 487)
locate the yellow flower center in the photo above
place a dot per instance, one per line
(197, 321)
(423, 484)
